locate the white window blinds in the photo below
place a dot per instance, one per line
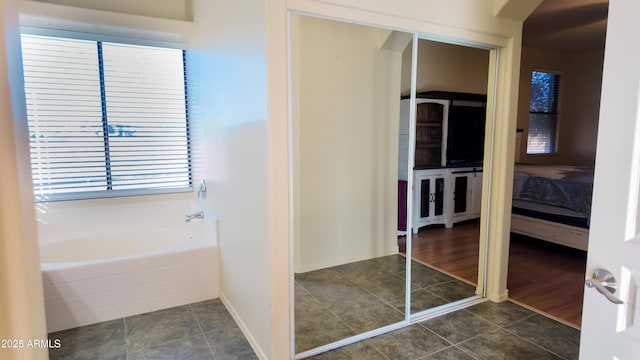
(105, 119)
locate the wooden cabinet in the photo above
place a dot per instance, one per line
(446, 196)
(431, 198)
(449, 150)
(430, 127)
(449, 131)
(429, 140)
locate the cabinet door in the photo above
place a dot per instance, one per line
(460, 194)
(425, 198)
(432, 197)
(439, 196)
(429, 122)
(476, 193)
(431, 200)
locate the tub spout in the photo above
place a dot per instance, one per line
(195, 215)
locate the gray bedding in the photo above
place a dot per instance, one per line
(568, 187)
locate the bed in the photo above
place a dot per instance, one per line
(553, 203)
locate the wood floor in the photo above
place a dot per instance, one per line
(544, 276)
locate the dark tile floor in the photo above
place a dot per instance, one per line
(484, 331)
(203, 330)
(334, 303)
(206, 330)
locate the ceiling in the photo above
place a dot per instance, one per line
(567, 25)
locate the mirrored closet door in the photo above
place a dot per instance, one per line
(450, 121)
(354, 142)
(349, 276)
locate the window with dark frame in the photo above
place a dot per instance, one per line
(105, 119)
(543, 113)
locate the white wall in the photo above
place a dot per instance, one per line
(227, 94)
(167, 9)
(21, 295)
(579, 103)
(461, 19)
(578, 137)
(228, 114)
(447, 67)
(346, 105)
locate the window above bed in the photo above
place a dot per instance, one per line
(105, 119)
(543, 113)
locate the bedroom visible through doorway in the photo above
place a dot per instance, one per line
(556, 288)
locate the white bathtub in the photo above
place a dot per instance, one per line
(106, 259)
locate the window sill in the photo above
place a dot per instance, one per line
(99, 195)
(542, 154)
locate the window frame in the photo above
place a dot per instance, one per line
(109, 193)
(554, 150)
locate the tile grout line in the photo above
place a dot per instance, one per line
(545, 314)
(439, 336)
(466, 352)
(126, 338)
(380, 351)
(498, 323)
(448, 347)
(383, 301)
(532, 342)
(340, 318)
(500, 327)
(503, 327)
(322, 303)
(202, 331)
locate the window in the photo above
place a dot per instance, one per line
(105, 119)
(543, 113)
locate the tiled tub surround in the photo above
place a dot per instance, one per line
(202, 331)
(103, 260)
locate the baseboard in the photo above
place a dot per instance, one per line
(538, 311)
(252, 341)
(499, 297)
(392, 250)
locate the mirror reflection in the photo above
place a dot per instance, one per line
(351, 153)
(447, 179)
(349, 275)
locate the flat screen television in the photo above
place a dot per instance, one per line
(465, 140)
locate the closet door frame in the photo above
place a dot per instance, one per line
(481, 290)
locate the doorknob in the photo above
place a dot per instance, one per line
(605, 283)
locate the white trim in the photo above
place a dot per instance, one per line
(410, 177)
(571, 236)
(245, 331)
(447, 308)
(492, 90)
(291, 191)
(487, 176)
(106, 194)
(351, 340)
(69, 34)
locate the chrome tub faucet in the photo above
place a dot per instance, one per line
(195, 215)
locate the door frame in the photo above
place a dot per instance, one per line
(498, 165)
